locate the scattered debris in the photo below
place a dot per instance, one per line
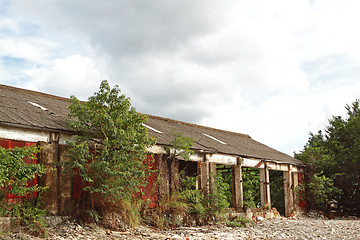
(302, 227)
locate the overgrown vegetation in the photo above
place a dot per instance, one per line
(180, 147)
(251, 187)
(226, 175)
(189, 204)
(333, 163)
(108, 153)
(239, 222)
(277, 191)
(16, 178)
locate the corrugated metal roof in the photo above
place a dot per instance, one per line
(17, 107)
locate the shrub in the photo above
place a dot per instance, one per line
(239, 222)
(15, 175)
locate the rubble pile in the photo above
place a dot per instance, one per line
(304, 227)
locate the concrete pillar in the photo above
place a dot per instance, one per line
(288, 192)
(163, 178)
(66, 202)
(265, 186)
(204, 172)
(212, 175)
(174, 176)
(237, 186)
(295, 179)
(49, 156)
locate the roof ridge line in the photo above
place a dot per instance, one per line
(196, 125)
(32, 92)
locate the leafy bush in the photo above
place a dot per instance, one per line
(239, 222)
(251, 187)
(318, 191)
(209, 206)
(15, 175)
(29, 214)
(190, 204)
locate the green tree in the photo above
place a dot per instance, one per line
(335, 155)
(110, 149)
(180, 147)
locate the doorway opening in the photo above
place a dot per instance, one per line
(251, 187)
(277, 191)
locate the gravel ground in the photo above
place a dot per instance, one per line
(279, 228)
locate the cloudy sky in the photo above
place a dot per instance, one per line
(275, 70)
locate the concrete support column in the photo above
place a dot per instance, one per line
(66, 203)
(288, 192)
(212, 175)
(265, 186)
(50, 157)
(163, 176)
(295, 179)
(204, 172)
(237, 186)
(174, 176)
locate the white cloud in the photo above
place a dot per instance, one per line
(76, 74)
(273, 69)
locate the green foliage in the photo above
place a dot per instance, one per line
(335, 155)
(239, 222)
(218, 196)
(190, 204)
(319, 190)
(205, 207)
(15, 174)
(227, 182)
(110, 149)
(180, 146)
(193, 197)
(277, 191)
(251, 187)
(30, 215)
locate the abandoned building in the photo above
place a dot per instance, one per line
(34, 118)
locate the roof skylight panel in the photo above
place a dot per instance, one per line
(39, 106)
(153, 129)
(213, 138)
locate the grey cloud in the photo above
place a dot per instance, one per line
(127, 27)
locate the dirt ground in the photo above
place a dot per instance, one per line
(305, 227)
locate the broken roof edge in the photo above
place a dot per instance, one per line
(195, 125)
(46, 129)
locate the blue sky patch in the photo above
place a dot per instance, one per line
(14, 63)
